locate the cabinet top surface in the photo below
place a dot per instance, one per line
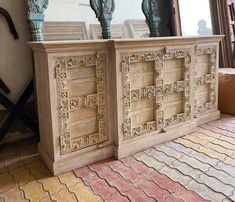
(52, 46)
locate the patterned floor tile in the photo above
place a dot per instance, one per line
(197, 167)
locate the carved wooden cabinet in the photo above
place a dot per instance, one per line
(98, 99)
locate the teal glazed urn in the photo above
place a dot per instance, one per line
(35, 14)
(104, 11)
(151, 12)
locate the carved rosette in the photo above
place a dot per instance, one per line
(207, 79)
(68, 104)
(156, 92)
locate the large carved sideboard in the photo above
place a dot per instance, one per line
(104, 98)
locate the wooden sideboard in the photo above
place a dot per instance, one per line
(104, 98)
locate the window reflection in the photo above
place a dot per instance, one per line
(195, 17)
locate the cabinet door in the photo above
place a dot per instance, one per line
(82, 103)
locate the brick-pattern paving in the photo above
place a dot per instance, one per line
(197, 167)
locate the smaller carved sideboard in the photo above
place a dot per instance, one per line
(104, 98)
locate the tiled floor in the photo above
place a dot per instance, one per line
(197, 167)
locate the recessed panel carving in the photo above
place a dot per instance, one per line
(81, 91)
(205, 79)
(155, 90)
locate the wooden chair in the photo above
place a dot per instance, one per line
(15, 110)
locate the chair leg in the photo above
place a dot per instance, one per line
(17, 112)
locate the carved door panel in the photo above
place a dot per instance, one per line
(81, 91)
(156, 90)
(205, 79)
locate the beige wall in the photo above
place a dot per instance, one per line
(15, 55)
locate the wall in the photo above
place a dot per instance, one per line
(15, 55)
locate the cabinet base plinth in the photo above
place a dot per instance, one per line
(75, 161)
(145, 142)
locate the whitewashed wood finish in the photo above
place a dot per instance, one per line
(98, 99)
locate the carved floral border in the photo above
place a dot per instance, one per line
(209, 79)
(66, 104)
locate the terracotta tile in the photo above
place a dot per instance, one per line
(118, 198)
(124, 186)
(98, 185)
(161, 180)
(154, 191)
(34, 191)
(125, 172)
(138, 178)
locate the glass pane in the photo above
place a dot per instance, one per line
(195, 17)
(76, 20)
